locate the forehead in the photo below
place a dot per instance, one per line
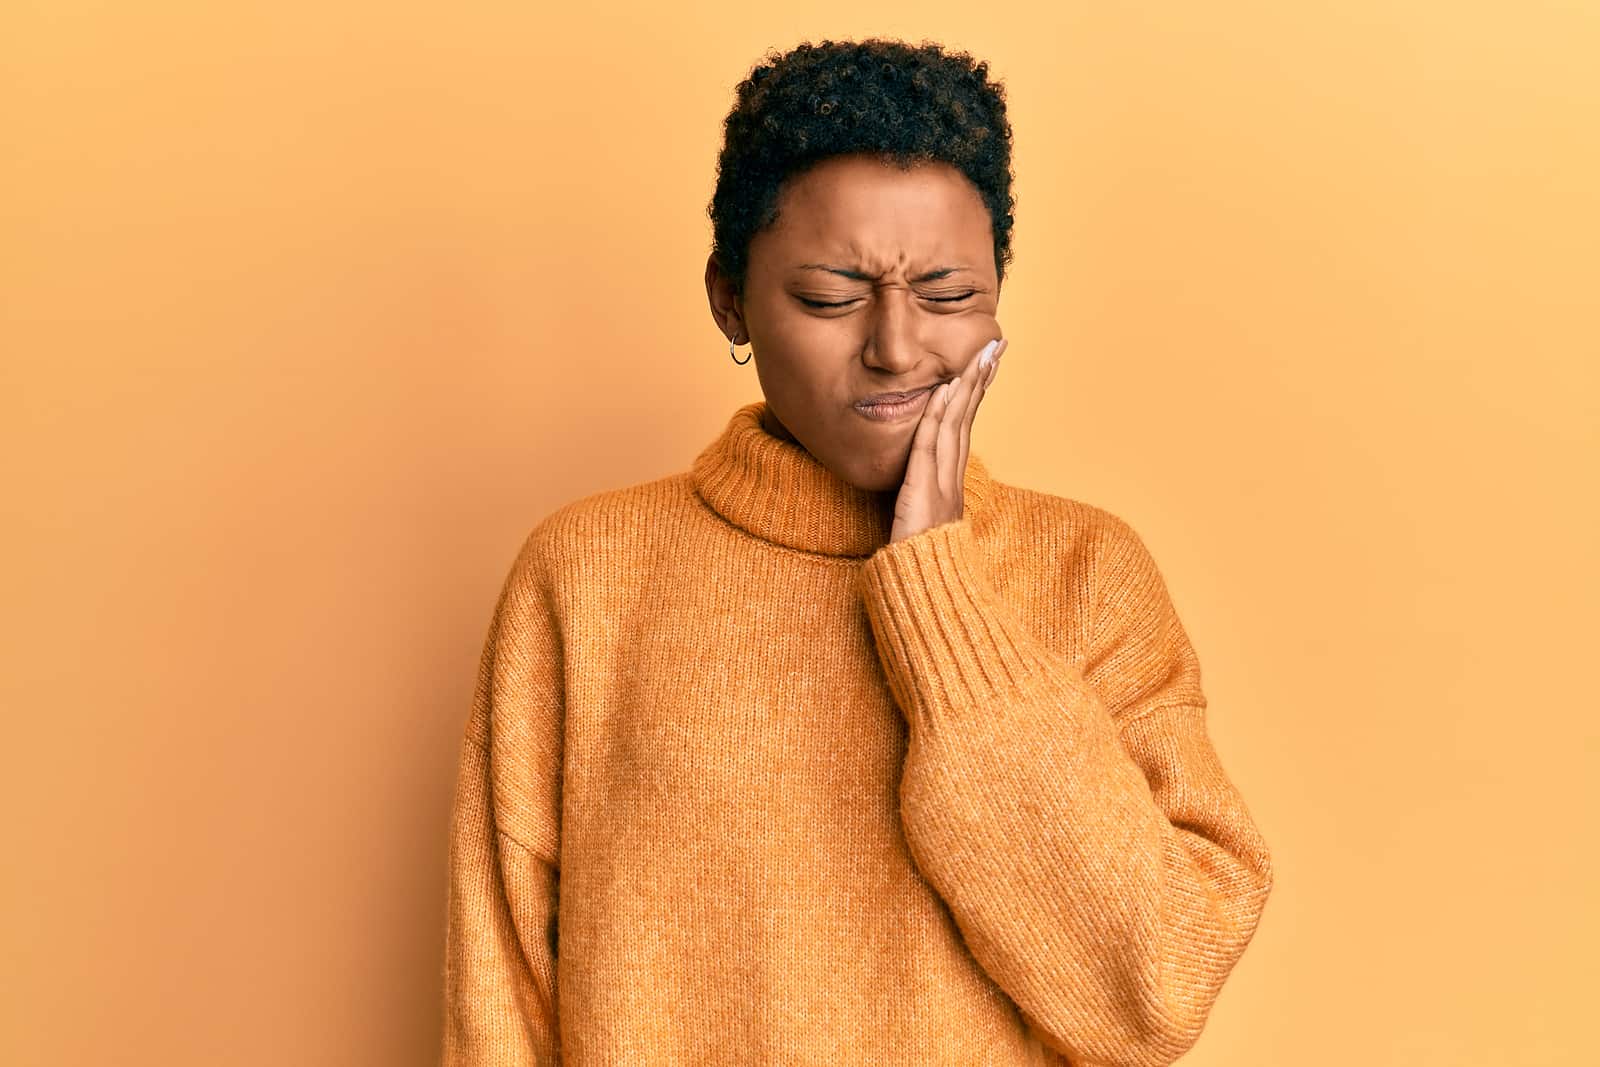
(879, 215)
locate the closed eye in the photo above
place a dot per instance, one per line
(846, 303)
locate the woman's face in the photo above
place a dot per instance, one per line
(905, 261)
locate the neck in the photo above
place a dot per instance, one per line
(770, 423)
(767, 484)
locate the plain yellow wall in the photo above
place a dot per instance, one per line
(311, 311)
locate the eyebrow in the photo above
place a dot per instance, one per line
(862, 276)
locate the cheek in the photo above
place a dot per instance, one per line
(792, 337)
(966, 334)
(805, 347)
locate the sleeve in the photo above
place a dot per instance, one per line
(1101, 867)
(500, 939)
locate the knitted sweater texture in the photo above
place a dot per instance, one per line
(744, 782)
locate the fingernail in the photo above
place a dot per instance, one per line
(998, 352)
(986, 357)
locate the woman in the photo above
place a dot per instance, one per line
(832, 748)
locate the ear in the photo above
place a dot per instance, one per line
(726, 306)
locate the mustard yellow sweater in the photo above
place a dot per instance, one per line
(745, 782)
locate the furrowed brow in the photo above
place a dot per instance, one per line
(862, 276)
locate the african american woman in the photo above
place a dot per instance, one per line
(833, 748)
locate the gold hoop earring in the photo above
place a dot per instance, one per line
(735, 356)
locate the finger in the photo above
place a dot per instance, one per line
(952, 447)
(923, 460)
(986, 373)
(941, 443)
(984, 380)
(961, 389)
(950, 451)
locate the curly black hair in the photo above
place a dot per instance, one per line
(905, 103)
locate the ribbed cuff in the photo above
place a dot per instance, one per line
(946, 637)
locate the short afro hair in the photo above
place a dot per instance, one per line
(905, 103)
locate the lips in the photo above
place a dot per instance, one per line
(892, 398)
(896, 411)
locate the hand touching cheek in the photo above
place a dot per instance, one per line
(936, 470)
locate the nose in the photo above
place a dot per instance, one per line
(893, 344)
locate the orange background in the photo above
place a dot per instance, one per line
(311, 312)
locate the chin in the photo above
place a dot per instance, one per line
(874, 477)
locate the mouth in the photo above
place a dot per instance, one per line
(896, 406)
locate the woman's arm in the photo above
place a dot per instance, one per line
(500, 943)
(1101, 866)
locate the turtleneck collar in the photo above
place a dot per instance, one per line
(776, 490)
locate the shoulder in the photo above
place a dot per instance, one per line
(1080, 544)
(604, 530)
(1051, 520)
